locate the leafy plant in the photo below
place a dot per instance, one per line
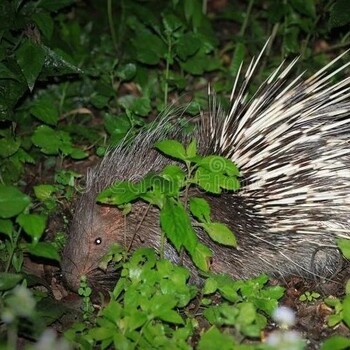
(309, 296)
(149, 308)
(169, 191)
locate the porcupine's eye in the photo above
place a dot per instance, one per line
(98, 240)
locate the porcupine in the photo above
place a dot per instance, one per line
(290, 141)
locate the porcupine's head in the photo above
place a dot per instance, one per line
(95, 227)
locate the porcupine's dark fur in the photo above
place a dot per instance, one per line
(291, 144)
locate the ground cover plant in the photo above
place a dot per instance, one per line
(76, 77)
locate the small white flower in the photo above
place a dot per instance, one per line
(286, 340)
(284, 316)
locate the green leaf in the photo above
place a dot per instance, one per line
(219, 165)
(138, 105)
(200, 209)
(208, 181)
(44, 192)
(45, 109)
(344, 246)
(55, 5)
(187, 45)
(31, 58)
(170, 316)
(175, 176)
(126, 72)
(238, 58)
(210, 286)
(58, 63)
(346, 310)
(137, 319)
(12, 201)
(220, 233)
(116, 125)
(54, 141)
(177, 226)
(78, 154)
(6, 227)
(172, 148)
(201, 257)
(8, 146)
(213, 339)
(149, 47)
(191, 150)
(33, 224)
(9, 280)
(339, 15)
(44, 22)
(336, 342)
(44, 250)
(125, 191)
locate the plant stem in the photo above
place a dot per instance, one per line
(167, 68)
(111, 23)
(245, 22)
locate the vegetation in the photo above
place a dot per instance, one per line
(76, 77)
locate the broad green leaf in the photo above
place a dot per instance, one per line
(191, 149)
(77, 153)
(336, 342)
(218, 164)
(150, 48)
(172, 148)
(30, 57)
(12, 201)
(220, 233)
(136, 320)
(9, 280)
(214, 339)
(171, 316)
(171, 22)
(116, 124)
(238, 58)
(33, 224)
(44, 250)
(200, 209)
(247, 313)
(344, 245)
(8, 146)
(58, 62)
(45, 109)
(177, 226)
(210, 286)
(6, 227)
(119, 193)
(138, 105)
(339, 14)
(346, 310)
(126, 72)
(55, 5)
(176, 178)
(51, 141)
(187, 45)
(125, 191)
(208, 181)
(173, 173)
(214, 182)
(201, 257)
(44, 22)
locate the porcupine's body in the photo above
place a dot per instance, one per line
(291, 144)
